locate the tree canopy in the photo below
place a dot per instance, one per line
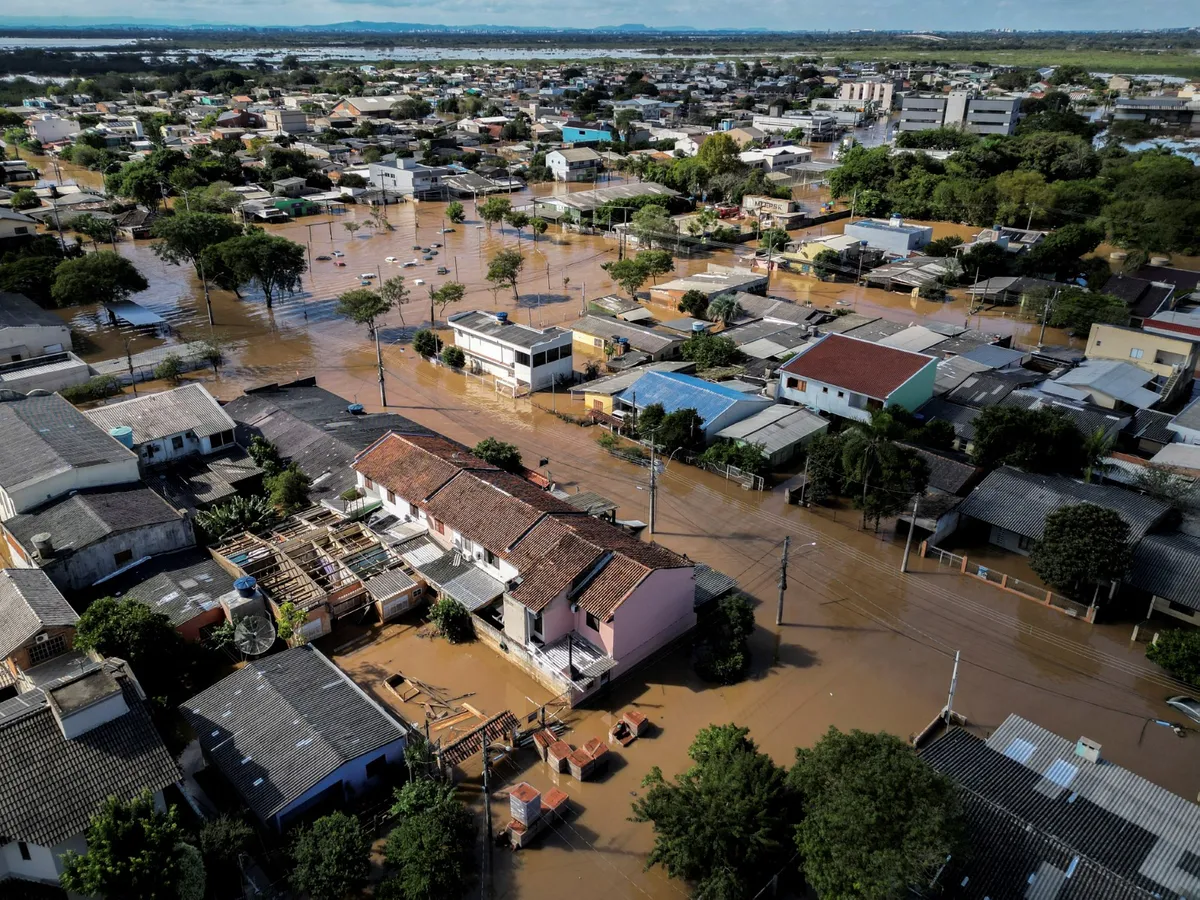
(877, 819)
(1178, 651)
(184, 236)
(1082, 546)
(271, 263)
(499, 453)
(331, 858)
(504, 269)
(363, 306)
(710, 351)
(100, 277)
(1036, 440)
(137, 634)
(430, 848)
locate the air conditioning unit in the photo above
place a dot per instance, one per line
(41, 638)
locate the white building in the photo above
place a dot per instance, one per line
(292, 121)
(527, 357)
(409, 178)
(772, 159)
(27, 330)
(49, 128)
(878, 93)
(15, 225)
(170, 425)
(578, 164)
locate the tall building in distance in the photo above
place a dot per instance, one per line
(958, 109)
(877, 92)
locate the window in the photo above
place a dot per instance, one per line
(596, 342)
(368, 483)
(1135, 353)
(123, 557)
(220, 440)
(841, 394)
(824, 390)
(24, 850)
(490, 558)
(47, 649)
(177, 443)
(539, 359)
(391, 498)
(1024, 543)
(376, 767)
(522, 358)
(592, 622)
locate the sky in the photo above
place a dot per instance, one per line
(916, 15)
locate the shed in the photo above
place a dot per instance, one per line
(779, 430)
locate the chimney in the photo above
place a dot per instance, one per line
(1086, 748)
(87, 702)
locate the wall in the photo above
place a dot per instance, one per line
(33, 340)
(190, 630)
(44, 864)
(91, 563)
(557, 618)
(352, 775)
(21, 656)
(1007, 540)
(1159, 354)
(743, 409)
(826, 398)
(1186, 615)
(659, 609)
(73, 371)
(74, 479)
(164, 449)
(917, 391)
(518, 656)
(514, 621)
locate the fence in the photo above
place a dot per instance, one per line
(1009, 583)
(747, 480)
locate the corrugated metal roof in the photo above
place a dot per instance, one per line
(45, 435)
(1120, 380)
(676, 391)
(917, 339)
(1168, 566)
(776, 428)
(1020, 501)
(29, 602)
(156, 416)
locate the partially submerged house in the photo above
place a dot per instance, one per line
(170, 425)
(27, 330)
(717, 404)
(291, 732)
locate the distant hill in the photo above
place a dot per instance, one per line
(83, 23)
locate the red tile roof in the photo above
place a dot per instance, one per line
(614, 583)
(857, 365)
(569, 559)
(415, 466)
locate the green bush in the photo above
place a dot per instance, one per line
(722, 650)
(170, 369)
(747, 457)
(1178, 651)
(426, 343)
(454, 357)
(97, 388)
(452, 620)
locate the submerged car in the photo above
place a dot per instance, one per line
(324, 257)
(1189, 706)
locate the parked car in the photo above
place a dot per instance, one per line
(1189, 706)
(324, 257)
(389, 259)
(338, 253)
(442, 270)
(367, 276)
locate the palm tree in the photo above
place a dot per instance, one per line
(1096, 448)
(866, 448)
(724, 309)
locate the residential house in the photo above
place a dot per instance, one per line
(1186, 424)
(189, 587)
(581, 206)
(718, 405)
(27, 330)
(49, 449)
(848, 377)
(65, 748)
(775, 159)
(1107, 383)
(1165, 570)
(712, 283)
(289, 187)
(573, 600)
(574, 132)
(409, 178)
(779, 431)
(610, 335)
(48, 128)
(1145, 299)
(366, 107)
(169, 425)
(892, 235)
(598, 394)
(1011, 507)
(575, 164)
(317, 430)
(36, 623)
(1172, 360)
(289, 121)
(292, 733)
(514, 354)
(1047, 817)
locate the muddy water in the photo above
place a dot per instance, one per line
(861, 646)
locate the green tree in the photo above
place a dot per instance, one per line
(410, 108)
(1076, 310)
(722, 652)
(517, 220)
(237, 514)
(170, 369)
(32, 276)
(135, 633)
(880, 474)
(710, 351)
(877, 819)
(131, 853)
(629, 273)
(500, 454)
(1081, 546)
(773, 239)
(694, 303)
(504, 269)
(824, 467)
(1178, 651)
(100, 277)
(724, 823)
(97, 230)
(452, 620)
(183, 237)
(826, 263)
(648, 420)
(443, 296)
(1036, 440)
(290, 621)
(494, 210)
(538, 226)
(394, 291)
(1096, 448)
(272, 263)
(682, 429)
(724, 309)
(363, 306)
(331, 858)
(747, 457)
(265, 455)
(652, 225)
(656, 262)
(455, 212)
(430, 848)
(426, 343)
(453, 357)
(943, 246)
(719, 154)
(23, 199)
(288, 488)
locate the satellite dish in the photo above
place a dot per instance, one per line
(253, 635)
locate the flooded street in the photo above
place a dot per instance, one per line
(862, 646)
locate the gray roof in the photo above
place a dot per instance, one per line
(18, 311)
(285, 722)
(1082, 830)
(614, 384)
(950, 473)
(1113, 378)
(509, 332)
(713, 283)
(50, 786)
(1151, 425)
(711, 584)
(776, 308)
(1020, 501)
(1168, 566)
(45, 435)
(180, 585)
(79, 519)
(156, 416)
(961, 417)
(1188, 417)
(640, 338)
(29, 602)
(994, 357)
(990, 388)
(776, 428)
(1086, 418)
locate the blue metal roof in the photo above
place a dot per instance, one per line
(675, 391)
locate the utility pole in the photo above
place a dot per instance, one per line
(804, 486)
(912, 526)
(1046, 315)
(485, 881)
(129, 362)
(204, 284)
(953, 685)
(379, 363)
(787, 540)
(653, 482)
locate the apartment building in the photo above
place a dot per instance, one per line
(525, 357)
(958, 109)
(574, 164)
(879, 93)
(291, 121)
(410, 178)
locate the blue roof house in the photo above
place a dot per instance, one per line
(579, 133)
(718, 405)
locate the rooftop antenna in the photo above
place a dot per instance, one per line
(253, 635)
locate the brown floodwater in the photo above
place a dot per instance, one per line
(861, 645)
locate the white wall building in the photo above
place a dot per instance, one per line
(775, 158)
(528, 357)
(410, 178)
(49, 128)
(292, 121)
(575, 164)
(169, 425)
(27, 330)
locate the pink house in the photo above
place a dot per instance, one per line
(576, 601)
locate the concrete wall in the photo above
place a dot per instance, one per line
(825, 397)
(352, 776)
(89, 564)
(515, 623)
(518, 656)
(44, 864)
(33, 340)
(646, 619)
(917, 391)
(557, 619)
(26, 497)
(21, 659)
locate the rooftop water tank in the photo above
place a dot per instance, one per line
(124, 434)
(246, 585)
(502, 318)
(355, 409)
(699, 326)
